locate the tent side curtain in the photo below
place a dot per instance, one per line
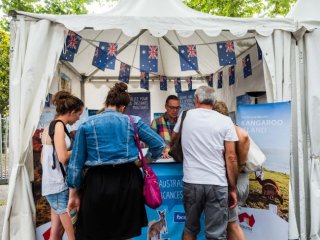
(276, 52)
(312, 53)
(36, 53)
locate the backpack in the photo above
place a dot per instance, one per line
(54, 154)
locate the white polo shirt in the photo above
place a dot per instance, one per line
(204, 132)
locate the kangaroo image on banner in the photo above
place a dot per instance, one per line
(264, 215)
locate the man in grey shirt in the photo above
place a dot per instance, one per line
(209, 166)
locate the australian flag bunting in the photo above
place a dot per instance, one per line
(149, 58)
(246, 64)
(144, 80)
(210, 80)
(177, 85)
(259, 52)
(163, 83)
(220, 79)
(189, 82)
(231, 75)
(188, 57)
(226, 53)
(124, 73)
(67, 55)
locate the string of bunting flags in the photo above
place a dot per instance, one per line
(105, 57)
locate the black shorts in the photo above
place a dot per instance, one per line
(112, 203)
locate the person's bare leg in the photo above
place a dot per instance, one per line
(234, 231)
(56, 227)
(67, 225)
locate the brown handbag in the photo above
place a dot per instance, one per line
(176, 149)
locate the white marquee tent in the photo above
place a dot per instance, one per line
(289, 65)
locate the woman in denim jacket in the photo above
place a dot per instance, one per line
(112, 203)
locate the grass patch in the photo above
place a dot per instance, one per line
(2, 203)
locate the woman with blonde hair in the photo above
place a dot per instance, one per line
(56, 151)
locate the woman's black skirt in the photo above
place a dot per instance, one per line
(112, 203)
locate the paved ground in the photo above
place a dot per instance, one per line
(3, 200)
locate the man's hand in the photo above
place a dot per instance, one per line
(165, 153)
(233, 200)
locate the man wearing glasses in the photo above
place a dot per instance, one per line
(164, 124)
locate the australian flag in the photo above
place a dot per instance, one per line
(124, 73)
(210, 80)
(188, 57)
(111, 50)
(73, 42)
(246, 64)
(226, 53)
(220, 79)
(100, 58)
(149, 58)
(144, 80)
(189, 82)
(177, 85)
(163, 83)
(67, 55)
(259, 52)
(231, 76)
(105, 56)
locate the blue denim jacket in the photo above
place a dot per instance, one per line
(108, 138)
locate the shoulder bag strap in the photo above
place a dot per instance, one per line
(137, 140)
(51, 134)
(184, 113)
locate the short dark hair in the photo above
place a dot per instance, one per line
(171, 97)
(118, 95)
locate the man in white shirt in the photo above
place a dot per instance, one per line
(209, 166)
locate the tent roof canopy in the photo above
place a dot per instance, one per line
(169, 23)
(161, 16)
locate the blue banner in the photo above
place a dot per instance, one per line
(168, 220)
(265, 213)
(186, 100)
(140, 106)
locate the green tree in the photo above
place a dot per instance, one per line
(242, 8)
(4, 72)
(36, 6)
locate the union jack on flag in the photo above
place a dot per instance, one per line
(188, 57)
(153, 52)
(72, 42)
(226, 53)
(149, 58)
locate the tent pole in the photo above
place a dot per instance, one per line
(72, 69)
(119, 51)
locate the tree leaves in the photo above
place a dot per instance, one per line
(242, 8)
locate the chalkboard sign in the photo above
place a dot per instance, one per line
(140, 106)
(186, 99)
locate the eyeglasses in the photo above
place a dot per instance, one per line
(173, 107)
